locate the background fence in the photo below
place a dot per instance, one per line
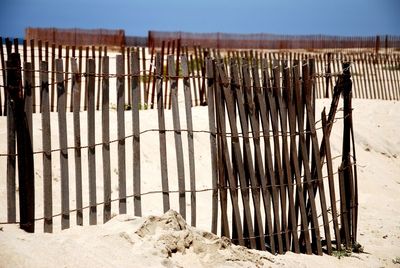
(267, 177)
(376, 76)
(275, 41)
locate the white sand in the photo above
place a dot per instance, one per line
(117, 243)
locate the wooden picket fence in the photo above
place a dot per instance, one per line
(376, 76)
(271, 176)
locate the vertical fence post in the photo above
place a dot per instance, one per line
(158, 79)
(24, 145)
(90, 80)
(46, 140)
(348, 180)
(135, 84)
(105, 117)
(75, 105)
(62, 128)
(121, 132)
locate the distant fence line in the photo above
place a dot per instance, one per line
(274, 41)
(118, 38)
(275, 198)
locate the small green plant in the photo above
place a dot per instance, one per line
(143, 106)
(347, 252)
(341, 253)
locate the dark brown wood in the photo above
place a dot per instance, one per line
(76, 97)
(90, 81)
(264, 114)
(254, 110)
(62, 130)
(67, 74)
(85, 93)
(343, 210)
(306, 166)
(291, 103)
(53, 76)
(177, 136)
(227, 95)
(46, 140)
(28, 76)
(99, 66)
(32, 46)
(213, 142)
(128, 79)
(316, 155)
(227, 169)
(135, 68)
(105, 119)
(40, 51)
(283, 110)
(24, 146)
(259, 227)
(331, 180)
(189, 124)
(162, 136)
(271, 93)
(121, 132)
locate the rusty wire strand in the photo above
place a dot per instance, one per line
(230, 188)
(228, 135)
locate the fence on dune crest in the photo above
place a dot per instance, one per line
(273, 184)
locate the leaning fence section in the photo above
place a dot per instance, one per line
(272, 184)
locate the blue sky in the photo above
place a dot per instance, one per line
(339, 17)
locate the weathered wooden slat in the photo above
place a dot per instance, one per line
(290, 103)
(162, 137)
(46, 140)
(343, 210)
(53, 76)
(177, 135)
(271, 94)
(90, 70)
(213, 141)
(227, 95)
(189, 124)
(11, 151)
(254, 112)
(306, 166)
(66, 71)
(62, 130)
(105, 118)
(246, 144)
(32, 47)
(135, 68)
(331, 180)
(24, 146)
(283, 110)
(76, 93)
(318, 166)
(121, 132)
(28, 76)
(226, 172)
(264, 114)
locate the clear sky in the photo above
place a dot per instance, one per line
(334, 17)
